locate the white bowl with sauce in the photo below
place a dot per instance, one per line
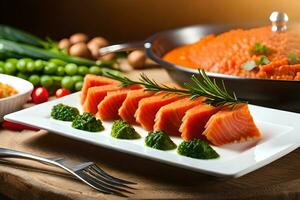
(15, 102)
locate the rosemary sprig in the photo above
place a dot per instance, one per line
(198, 87)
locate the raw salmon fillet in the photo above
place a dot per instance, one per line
(108, 108)
(169, 117)
(194, 121)
(148, 107)
(93, 80)
(130, 105)
(95, 95)
(231, 125)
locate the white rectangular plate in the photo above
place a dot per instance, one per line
(280, 135)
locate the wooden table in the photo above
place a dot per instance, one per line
(29, 180)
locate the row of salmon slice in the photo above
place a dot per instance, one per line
(176, 115)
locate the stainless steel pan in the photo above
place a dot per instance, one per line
(282, 94)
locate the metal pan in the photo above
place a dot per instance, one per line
(281, 94)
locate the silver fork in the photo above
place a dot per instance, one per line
(87, 172)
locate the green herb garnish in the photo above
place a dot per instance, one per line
(159, 140)
(203, 86)
(260, 49)
(197, 149)
(87, 122)
(64, 112)
(263, 61)
(122, 130)
(252, 64)
(293, 58)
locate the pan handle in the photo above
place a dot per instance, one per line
(122, 47)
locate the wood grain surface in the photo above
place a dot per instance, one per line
(28, 180)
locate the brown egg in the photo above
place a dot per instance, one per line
(107, 57)
(80, 50)
(137, 58)
(64, 44)
(78, 37)
(98, 42)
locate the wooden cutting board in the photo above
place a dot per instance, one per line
(21, 179)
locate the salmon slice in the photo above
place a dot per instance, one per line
(169, 117)
(130, 105)
(148, 107)
(194, 121)
(231, 125)
(108, 108)
(92, 81)
(95, 95)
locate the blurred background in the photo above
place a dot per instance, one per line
(124, 20)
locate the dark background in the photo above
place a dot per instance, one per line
(124, 20)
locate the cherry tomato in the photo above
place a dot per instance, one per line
(62, 92)
(39, 95)
(17, 127)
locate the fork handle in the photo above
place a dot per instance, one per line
(9, 153)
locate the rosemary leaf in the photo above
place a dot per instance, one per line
(198, 87)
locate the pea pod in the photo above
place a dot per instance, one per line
(13, 34)
(9, 48)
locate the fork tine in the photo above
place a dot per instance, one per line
(104, 182)
(98, 186)
(92, 170)
(102, 172)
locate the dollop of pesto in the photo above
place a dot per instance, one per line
(122, 130)
(197, 148)
(87, 122)
(159, 140)
(64, 112)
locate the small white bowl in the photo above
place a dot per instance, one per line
(15, 102)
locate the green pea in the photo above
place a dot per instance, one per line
(27, 60)
(60, 71)
(10, 68)
(30, 67)
(34, 79)
(77, 78)
(83, 70)
(21, 65)
(57, 80)
(39, 65)
(78, 85)
(71, 69)
(1, 70)
(95, 70)
(12, 60)
(57, 61)
(46, 81)
(1, 64)
(22, 75)
(50, 68)
(67, 82)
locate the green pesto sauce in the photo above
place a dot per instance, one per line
(64, 112)
(87, 122)
(159, 140)
(122, 130)
(197, 149)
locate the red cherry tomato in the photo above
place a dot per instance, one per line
(39, 95)
(62, 92)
